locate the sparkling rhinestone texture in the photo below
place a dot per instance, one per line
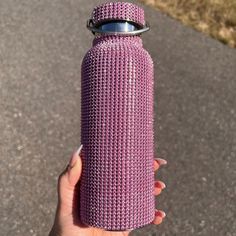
(117, 79)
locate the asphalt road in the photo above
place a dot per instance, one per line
(42, 44)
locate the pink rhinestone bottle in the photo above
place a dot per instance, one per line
(117, 182)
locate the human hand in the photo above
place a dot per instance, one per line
(67, 221)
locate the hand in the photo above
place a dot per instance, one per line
(67, 222)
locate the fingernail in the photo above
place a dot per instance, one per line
(79, 150)
(160, 213)
(75, 156)
(161, 161)
(160, 184)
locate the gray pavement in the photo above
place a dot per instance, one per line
(42, 44)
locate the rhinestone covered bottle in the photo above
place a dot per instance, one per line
(117, 182)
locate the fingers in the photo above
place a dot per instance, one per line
(159, 216)
(158, 162)
(159, 186)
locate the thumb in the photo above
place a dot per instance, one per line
(75, 167)
(67, 183)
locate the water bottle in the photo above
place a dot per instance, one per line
(117, 181)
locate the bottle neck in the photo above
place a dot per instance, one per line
(108, 32)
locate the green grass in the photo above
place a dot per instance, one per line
(213, 17)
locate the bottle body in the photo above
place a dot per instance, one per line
(117, 182)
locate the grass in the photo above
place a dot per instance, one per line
(216, 18)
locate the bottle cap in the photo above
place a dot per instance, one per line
(118, 18)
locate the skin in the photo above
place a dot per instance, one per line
(66, 222)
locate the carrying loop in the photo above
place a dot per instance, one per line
(91, 27)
